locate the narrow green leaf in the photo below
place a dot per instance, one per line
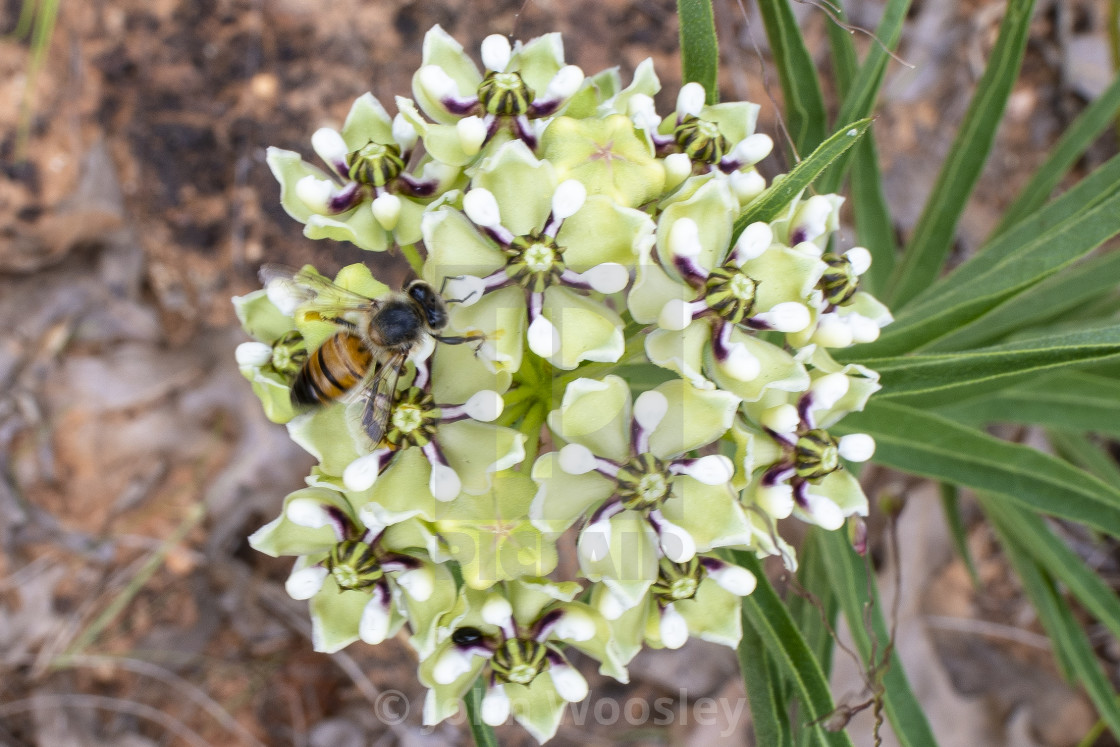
(1074, 652)
(921, 443)
(1052, 554)
(951, 505)
(1078, 449)
(848, 573)
(769, 710)
(874, 225)
(933, 236)
(804, 104)
(815, 617)
(777, 197)
(945, 376)
(482, 732)
(844, 61)
(1073, 143)
(764, 612)
(1073, 400)
(1053, 297)
(699, 46)
(984, 283)
(863, 91)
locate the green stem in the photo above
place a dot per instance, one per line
(531, 427)
(412, 254)
(482, 732)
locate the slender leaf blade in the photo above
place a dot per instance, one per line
(933, 235)
(765, 691)
(849, 577)
(699, 46)
(1077, 138)
(921, 443)
(777, 197)
(951, 506)
(804, 103)
(1081, 451)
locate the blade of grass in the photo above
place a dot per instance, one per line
(1051, 553)
(933, 236)
(801, 91)
(848, 573)
(1070, 146)
(951, 505)
(1072, 647)
(699, 46)
(921, 443)
(764, 611)
(777, 197)
(765, 691)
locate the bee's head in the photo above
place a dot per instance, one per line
(430, 303)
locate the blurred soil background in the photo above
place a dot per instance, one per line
(134, 460)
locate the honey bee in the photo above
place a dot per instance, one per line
(372, 344)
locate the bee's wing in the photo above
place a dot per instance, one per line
(292, 289)
(379, 392)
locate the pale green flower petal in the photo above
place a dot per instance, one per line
(538, 60)
(695, 418)
(596, 414)
(529, 596)
(455, 247)
(500, 318)
(289, 168)
(318, 433)
(652, 289)
(589, 330)
(681, 351)
(358, 226)
(563, 498)
(367, 121)
(783, 275)
(273, 391)
(709, 513)
(645, 82)
(596, 89)
(281, 536)
(522, 185)
(442, 50)
(779, 370)
(260, 317)
(713, 614)
(627, 560)
(538, 707)
(336, 614)
(606, 156)
(459, 372)
(424, 617)
(736, 119)
(602, 231)
(712, 208)
(400, 492)
(476, 450)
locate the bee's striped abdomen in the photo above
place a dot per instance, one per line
(335, 368)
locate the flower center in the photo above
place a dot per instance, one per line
(701, 140)
(677, 581)
(535, 262)
(816, 454)
(505, 95)
(375, 164)
(414, 420)
(519, 661)
(289, 354)
(354, 565)
(839, 282)
(731, 293)
(643, 482)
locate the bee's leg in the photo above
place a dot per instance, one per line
(345, 323)
(443, 286)
(461, 339)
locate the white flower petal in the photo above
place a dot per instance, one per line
(569, 683)
(482, 208)
(752, 149)
(315, 193)
(373, 628)
(436, 82)
(650, 408)
(643, 112)
(307, 513)
(776, 500)
(824, 511)
(574, 625)
(746, 185)
(386, 210)
(472, 134)
(497, 610)
(714, 469)
(684, 238)
(738, 581)
(404, 133)
(828, 389)
(594, 542)
(859, 258)
(833, 332)
(754, 240)
(305, 582)
(610, 606)
(253, 354)
(812, 219)
(361, 474)
(565, 83)
(544, 338)
(496, 52)
(329, 145)
(691, 99)
(675, 315)
(673, 628)
(484, 406)
(576, 459)
(568, 199)
(465, 290)
(857, 447)
(444, 483)
(789, 316)
(676, 543)
(781, 419)
(678, 166)
(863, 328)
(741, 364)
(452, 665)
(609, 277)
(418, 582)
(495, 706)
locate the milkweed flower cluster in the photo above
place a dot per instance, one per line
(649, 386)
